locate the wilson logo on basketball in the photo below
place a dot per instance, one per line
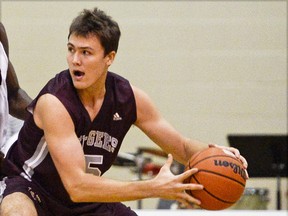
(236, 168)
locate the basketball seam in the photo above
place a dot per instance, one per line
(219, 174)
(191, 166)
(225, 201)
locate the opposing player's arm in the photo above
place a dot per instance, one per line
(150, 121)
(18, 99)
(4, 39)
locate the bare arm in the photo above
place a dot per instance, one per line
(164, 135)
(18, 99)
(161, 132)
(53, 118)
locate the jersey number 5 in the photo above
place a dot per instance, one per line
(91, 164)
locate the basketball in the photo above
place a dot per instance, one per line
(221, 174)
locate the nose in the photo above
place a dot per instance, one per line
(76, 59)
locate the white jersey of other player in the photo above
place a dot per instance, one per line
(4, 110)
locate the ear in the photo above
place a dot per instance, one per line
(110, 58)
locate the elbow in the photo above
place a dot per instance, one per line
(75, 197)
(74, 191)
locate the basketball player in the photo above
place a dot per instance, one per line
(13, 99)
(75, 130)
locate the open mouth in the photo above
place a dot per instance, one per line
(78, 74)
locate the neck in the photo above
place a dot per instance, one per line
(92, 99)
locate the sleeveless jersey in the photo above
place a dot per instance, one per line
(4, 111)
(100, 139)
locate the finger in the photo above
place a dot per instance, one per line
(245, 165)
(183, 204)
(246, 174)
(188, 199)
(188, 173)
(244, 162)
(235, 151)
(169, 161)
(186, 185)
(194, 200)
(211, 145)
(192, 186)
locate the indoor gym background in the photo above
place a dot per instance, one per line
(213, 68)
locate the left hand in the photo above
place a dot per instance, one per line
(237, 154)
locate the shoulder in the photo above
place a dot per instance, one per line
(2, 30)
(3, 38)
(55, 86)
(116, 78)
(58, 84)
(48, 102)
(140, 95)
(119, 85)
(48, 108)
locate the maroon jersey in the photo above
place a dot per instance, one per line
(100, 139)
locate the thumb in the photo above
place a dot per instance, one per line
(169, 161)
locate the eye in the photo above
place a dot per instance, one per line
(70, 49)
(85, 52)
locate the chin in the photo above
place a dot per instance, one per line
(78, 85)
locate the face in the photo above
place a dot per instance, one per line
(87, 64)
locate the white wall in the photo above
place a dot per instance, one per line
(212, 68)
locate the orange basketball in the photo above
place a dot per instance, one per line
(221, 174)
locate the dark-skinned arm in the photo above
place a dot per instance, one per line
(18, 99)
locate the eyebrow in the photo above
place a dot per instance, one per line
(83, 48)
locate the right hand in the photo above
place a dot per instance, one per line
(166, 185)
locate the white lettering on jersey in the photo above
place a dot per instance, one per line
(99, 139)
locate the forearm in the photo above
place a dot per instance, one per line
(171, 141)
(18, 99)
(192, 147)
(18, 103)
(100, 189)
